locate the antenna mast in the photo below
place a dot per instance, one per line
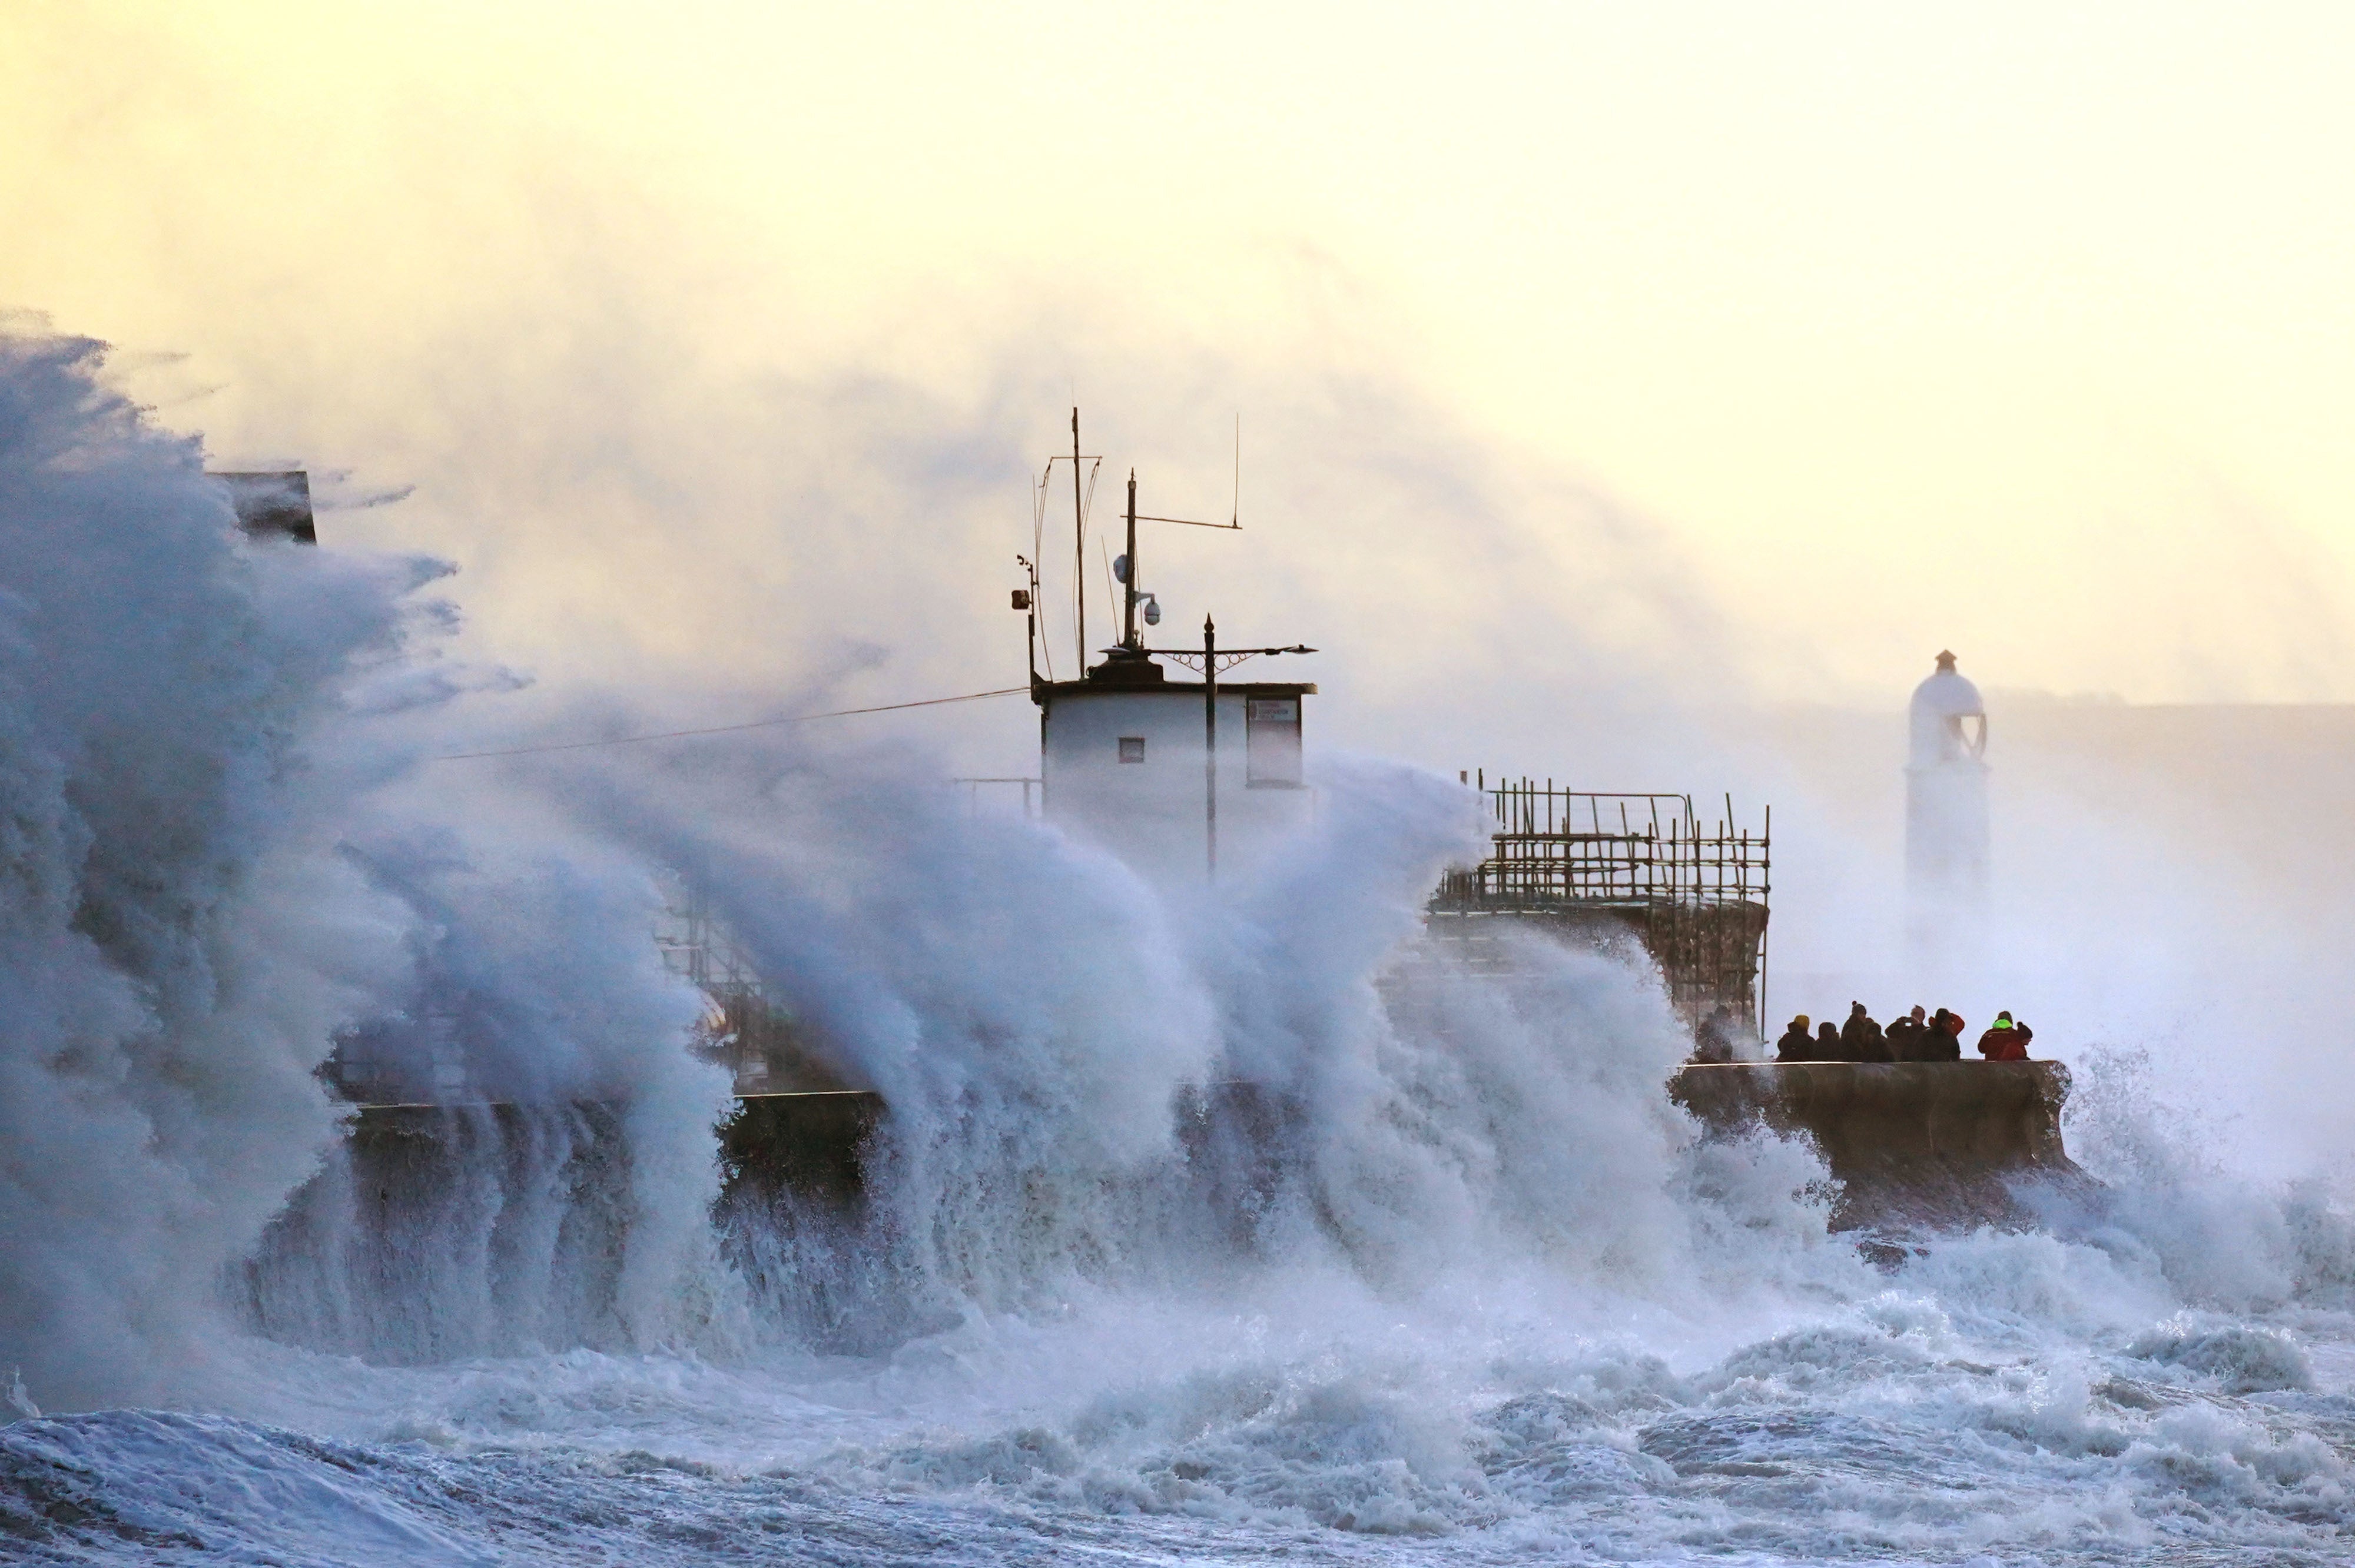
(1128, 578)
(1083, 491)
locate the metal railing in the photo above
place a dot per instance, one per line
(1034, 793)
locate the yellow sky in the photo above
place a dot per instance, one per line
(2029, 330)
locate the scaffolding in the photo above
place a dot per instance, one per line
(1606, 868)
(746, 1029)
(698, 949)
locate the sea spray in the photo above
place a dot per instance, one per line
(2173, 1211)
(218, 859)
(175, 946)
(234, 861)
(1097, 1080)
(472, 1231)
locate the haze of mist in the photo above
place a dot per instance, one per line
(1633, 400)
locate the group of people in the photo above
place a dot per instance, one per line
(1917, 1037)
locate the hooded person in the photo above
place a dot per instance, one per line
(1860, 1038)
(2002, 1042)
(1827, 1043)
(1796, 1045)
(1943, 1042)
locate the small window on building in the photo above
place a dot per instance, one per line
(1132, 748)
(1272, 743)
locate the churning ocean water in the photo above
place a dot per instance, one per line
(1478, 1293)
(2001, 1398)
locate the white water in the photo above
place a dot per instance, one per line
(1500, 1304)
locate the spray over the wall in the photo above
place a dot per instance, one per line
(213, 869)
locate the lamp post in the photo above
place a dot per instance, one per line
(1209, 656)
(1211, 745)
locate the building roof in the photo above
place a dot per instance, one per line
(1046, 691)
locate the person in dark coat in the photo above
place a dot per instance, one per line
(1945, 1042)
(1906, 1036)
(1796, 1045)
(1827, 1043)
(1861, 1039)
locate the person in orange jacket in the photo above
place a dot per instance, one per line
(2002, 1043)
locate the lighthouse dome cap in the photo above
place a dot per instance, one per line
(1937, 735)
(1948, 693)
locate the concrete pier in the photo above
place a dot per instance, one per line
(1913, 1144)
(811, 1142)
(1944, 1144)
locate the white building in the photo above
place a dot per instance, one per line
(1178, 778)
(1126, 759)
(1947, 855)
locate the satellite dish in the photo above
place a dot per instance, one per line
(1119, 568)
(1152, 611)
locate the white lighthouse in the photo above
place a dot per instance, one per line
(1946, 859)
